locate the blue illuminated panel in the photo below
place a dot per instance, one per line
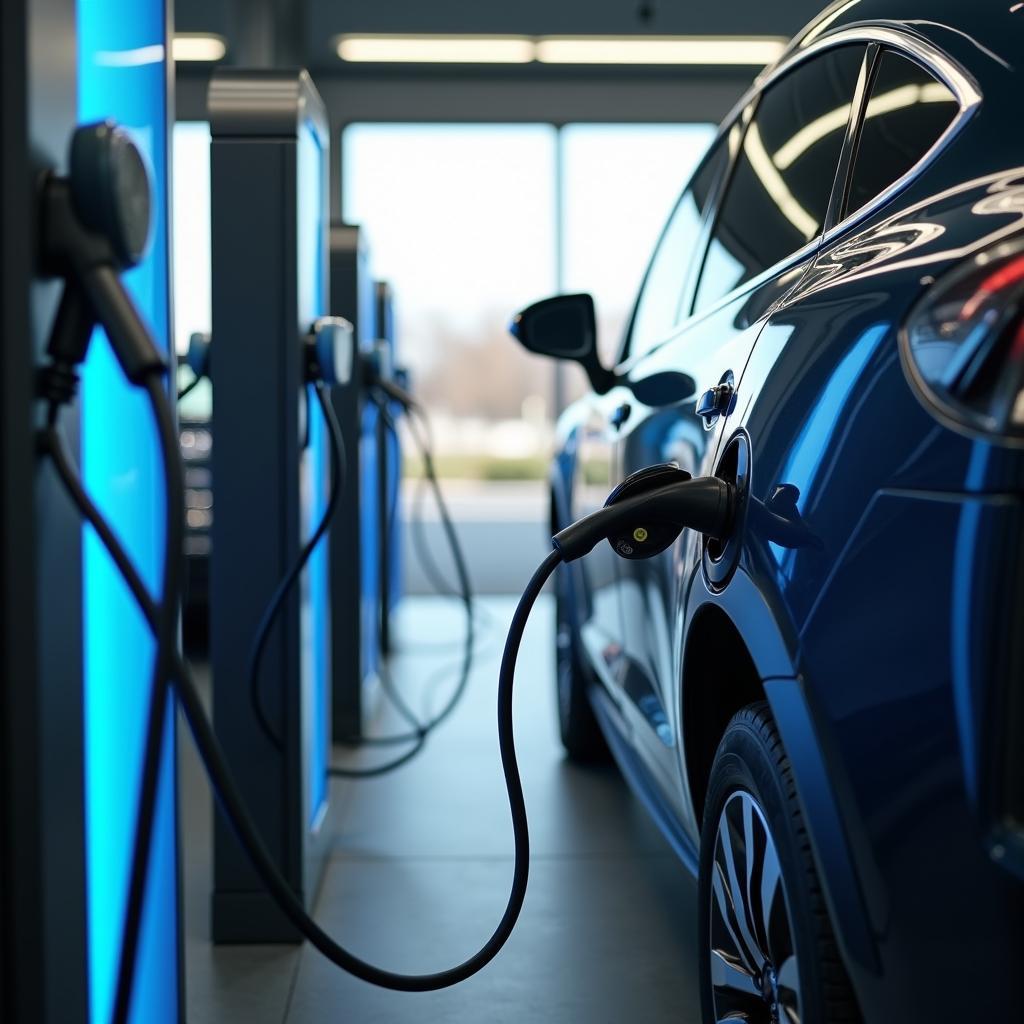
(122, 74)
(312, 240)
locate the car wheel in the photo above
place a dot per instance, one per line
(581, 735)
(768, 953)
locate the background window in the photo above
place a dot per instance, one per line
(780, 189)
(469, 223)
(190, 207)
(461, 220)
(907, 112)
(660, 306)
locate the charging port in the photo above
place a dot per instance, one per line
(722, 556)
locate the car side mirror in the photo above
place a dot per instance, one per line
(564, 327)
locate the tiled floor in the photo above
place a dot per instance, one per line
(422, 862)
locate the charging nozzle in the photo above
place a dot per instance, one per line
(648, 511)
(93, 225)
(197, 359)
(330, 351)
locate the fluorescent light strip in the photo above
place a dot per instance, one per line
(748, 51)
(196, 46)
(434, 49)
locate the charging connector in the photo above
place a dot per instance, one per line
(648, 510)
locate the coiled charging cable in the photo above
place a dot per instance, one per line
(419, 730)
(232, 803)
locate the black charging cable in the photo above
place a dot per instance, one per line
(338, 472)
(166, 631)
(421, 729)
(188, 388)
(93, 224)
(666, 508)
(234, 807)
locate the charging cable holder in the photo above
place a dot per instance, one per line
(95, 224)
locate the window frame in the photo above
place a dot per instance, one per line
(876, 39)
(960, 118)
(748, 116)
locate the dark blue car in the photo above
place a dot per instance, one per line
(825, 710)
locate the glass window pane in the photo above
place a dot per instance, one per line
(460, 221)
(780, 189)
(662, 303)
(907, 112)
(190, 209)
(618, 185)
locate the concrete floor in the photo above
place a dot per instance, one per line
(422, 861)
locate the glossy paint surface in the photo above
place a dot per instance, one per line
(879, 563)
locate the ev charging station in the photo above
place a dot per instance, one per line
(73, 686)
(269, 180)
(389, 476)
(355, 649)
(365, 564)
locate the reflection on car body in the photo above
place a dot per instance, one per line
(823, 712)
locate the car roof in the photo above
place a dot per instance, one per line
(981, 32)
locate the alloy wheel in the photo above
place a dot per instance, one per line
(754, 971)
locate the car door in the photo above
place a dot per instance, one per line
(764, 234)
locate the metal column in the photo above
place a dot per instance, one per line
(269, 239)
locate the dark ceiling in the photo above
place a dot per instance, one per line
(300, 31)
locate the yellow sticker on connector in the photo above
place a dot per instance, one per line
(640, 535)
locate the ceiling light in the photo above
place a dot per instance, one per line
(435, 49)
(750, 51)
(198, 46)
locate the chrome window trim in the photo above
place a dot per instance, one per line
(890, 36)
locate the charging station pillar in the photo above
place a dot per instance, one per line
(352, 560)
(269, 179)
(389, 476)
(365, 566)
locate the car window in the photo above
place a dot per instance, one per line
(907, 112)
(662, 298)
(778, 197)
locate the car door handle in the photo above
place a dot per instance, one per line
(715, 402)
(620, 415)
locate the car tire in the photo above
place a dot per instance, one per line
(767, 949)
(581, 735)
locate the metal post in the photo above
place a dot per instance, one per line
(269, 234)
